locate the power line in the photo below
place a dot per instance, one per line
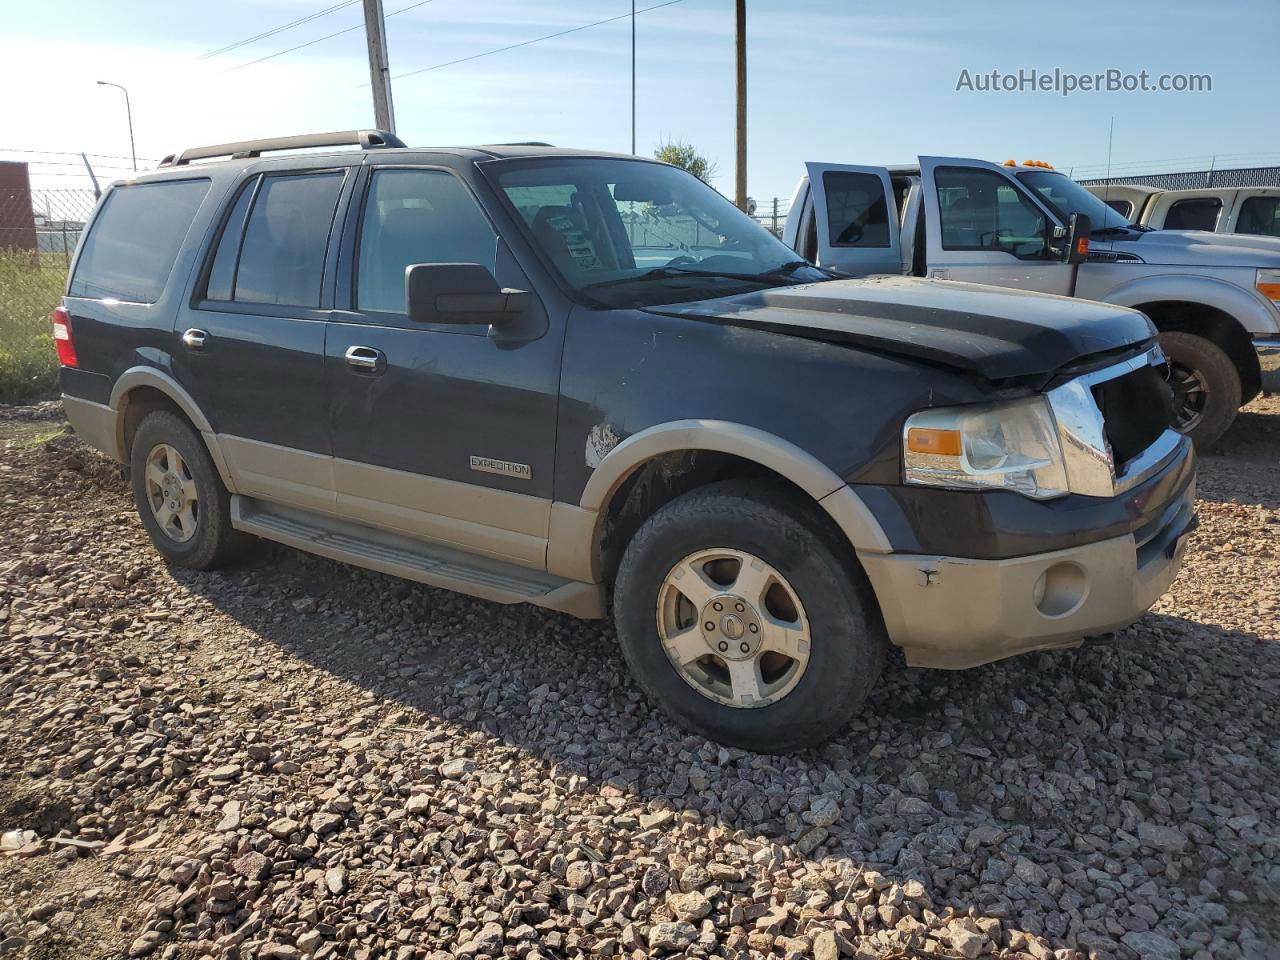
(280, 29)
(329, 36)
(526, 43)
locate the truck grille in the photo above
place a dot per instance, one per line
(1136, 408)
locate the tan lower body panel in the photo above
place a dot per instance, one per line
(953, 613)
(493, 523)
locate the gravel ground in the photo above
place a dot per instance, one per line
(295, 758)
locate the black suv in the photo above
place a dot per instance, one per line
(576, 379)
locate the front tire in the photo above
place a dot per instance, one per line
(180, 496)
(743, 615)
(1206, 387)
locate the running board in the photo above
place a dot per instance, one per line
(430, 563)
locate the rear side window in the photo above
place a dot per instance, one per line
(1260, 215)
(856, 209)
(130, 250)
(279, 257)
(1198, 214)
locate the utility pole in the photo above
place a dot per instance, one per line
(128, 112)
(740, 193)
(375, 29)
(633, 77)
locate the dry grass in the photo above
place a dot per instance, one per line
(30, 287)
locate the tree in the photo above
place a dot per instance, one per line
(680, 153)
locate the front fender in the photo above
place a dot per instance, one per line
(1246, 307)
(575, 530)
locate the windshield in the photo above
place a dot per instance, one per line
(633, 233)
(1066, 197)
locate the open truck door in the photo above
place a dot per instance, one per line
(983, 225)
(856, 219)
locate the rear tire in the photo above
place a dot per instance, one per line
(180, 496)
(1206, 386)
(808, 638)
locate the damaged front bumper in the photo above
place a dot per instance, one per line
(954, 612)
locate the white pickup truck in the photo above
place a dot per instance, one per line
(1250, 210)
(1215, 298)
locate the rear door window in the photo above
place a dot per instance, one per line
(857, 213)
(1198, 214)
(134, 241)
(281, 255)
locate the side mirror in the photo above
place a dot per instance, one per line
(459, 293)
(1078, 230)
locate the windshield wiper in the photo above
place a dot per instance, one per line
(1112, 231)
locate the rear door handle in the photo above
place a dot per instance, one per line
(365, 358)
(194, 339)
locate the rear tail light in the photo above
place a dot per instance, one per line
(62, 338)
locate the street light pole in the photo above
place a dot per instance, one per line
(128, 112)
(740, 193)
(633, 77)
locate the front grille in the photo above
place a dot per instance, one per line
(1136, 409)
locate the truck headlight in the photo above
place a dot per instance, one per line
(1268, 284)
(1002, 446)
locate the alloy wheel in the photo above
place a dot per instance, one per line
(171, 493)
(733, 627)
(1190, 396)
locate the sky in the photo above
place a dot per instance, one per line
(842, 81)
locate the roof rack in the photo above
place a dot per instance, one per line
(365, 139)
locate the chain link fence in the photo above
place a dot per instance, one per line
(39, 230)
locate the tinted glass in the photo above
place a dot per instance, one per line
(1122, 207)
(1199, 214)
(282, 257)
(416, 216)
(981, 210)
(133, 242)
(222, 275)
(1260, 215)
(857, 214)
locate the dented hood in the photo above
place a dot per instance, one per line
(996, 333)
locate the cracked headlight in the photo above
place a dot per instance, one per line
(991, 446)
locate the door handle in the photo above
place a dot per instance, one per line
(363, 358)
(194, 339)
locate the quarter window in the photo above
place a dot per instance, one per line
(981, 210)
(1260, 216)
(416, 216)
(130, 250)
(857, 213)
(281, 256)
(1198, 214)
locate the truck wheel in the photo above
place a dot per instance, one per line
(740, 613)
(180, 497)
(1206, 387)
